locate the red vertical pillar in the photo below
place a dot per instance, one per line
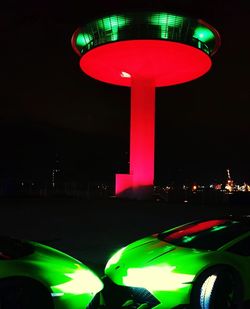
(139, 182)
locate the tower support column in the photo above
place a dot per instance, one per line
(138, 184)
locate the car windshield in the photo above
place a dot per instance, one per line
(207, 234)
(11, 248)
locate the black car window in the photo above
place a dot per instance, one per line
(207, 234)
(242, 247)
(11, 248)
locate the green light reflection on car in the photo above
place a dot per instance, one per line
(188, 238)
(115, 258)
(81, 281)
(218, 227)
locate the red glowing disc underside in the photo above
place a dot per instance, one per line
(166, 62)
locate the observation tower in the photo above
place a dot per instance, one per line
(143, 51)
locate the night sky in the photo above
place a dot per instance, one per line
(51, 111)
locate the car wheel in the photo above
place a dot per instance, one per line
(25, 293)
(217, 288)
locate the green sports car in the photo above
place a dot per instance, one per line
(35, 276)
(203, 264)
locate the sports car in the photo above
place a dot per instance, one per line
(35, 276)
(202, 264)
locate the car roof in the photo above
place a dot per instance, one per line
(233, 217)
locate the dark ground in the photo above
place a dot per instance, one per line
(91, 230)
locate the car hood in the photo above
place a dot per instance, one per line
(150, 255)
(44, 263)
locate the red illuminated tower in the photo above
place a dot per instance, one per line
(144, 51)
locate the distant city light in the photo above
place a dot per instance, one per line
(54, 171)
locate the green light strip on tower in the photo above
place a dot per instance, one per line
(165, 20)
(83, 39)
(203, 34)
(112, 24)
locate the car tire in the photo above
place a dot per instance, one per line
(22, 293)
(217, 288)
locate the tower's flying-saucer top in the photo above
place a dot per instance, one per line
(167, 48)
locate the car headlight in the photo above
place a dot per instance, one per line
(158, 278)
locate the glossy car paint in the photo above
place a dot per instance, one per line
(71, 283)
(168, 271)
